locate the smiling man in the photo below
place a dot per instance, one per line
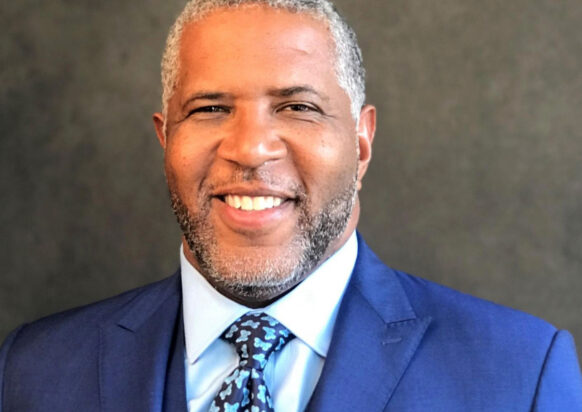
(278, 304)
(263, 154)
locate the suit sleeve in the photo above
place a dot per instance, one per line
(560, 383)
(4, 350)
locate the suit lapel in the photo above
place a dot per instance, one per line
(138, 348)
(375, 337)
(175, 391)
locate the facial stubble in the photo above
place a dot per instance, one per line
(254, 276)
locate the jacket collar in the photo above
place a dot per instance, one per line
(376, 335)
(141, 352)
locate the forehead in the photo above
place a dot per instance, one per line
(254, 44)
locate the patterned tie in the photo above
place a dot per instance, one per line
(256, 336)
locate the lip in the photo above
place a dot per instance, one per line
(253, 190)
(253, 222)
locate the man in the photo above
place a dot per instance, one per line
(266, 140)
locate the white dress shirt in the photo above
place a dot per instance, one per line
(308, 311)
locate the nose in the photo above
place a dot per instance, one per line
(252, 140)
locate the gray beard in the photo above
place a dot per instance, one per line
(258, 277)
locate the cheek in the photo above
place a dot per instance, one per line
(186, 161)
(327, 163)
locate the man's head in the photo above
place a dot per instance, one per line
(263, 151)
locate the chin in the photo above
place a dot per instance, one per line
(254, 266)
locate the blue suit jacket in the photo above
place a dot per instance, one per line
(400, 344)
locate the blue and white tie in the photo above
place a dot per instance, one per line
(256, 336)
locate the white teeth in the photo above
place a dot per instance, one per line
(249, 203)
(259, 203)
(246, 203)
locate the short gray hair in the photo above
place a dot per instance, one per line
(348, 65)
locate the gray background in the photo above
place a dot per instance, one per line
(476, 180)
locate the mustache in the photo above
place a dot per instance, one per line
(254, 176)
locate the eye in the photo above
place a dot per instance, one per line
(300, 108)
(209, 110)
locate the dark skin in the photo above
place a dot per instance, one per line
(258, 91)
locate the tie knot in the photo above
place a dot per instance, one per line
(256, 336)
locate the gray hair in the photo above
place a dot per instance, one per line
(348, 66)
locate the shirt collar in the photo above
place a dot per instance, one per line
(309, 310)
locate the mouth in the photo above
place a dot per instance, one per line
(252, 203)
(255, 214)
(253, 197)
(255, 209)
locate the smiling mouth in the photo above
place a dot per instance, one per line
(252, 203)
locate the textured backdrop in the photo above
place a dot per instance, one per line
(476, 180)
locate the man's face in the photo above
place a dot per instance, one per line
(262, 156)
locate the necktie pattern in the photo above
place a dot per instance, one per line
(256, 336)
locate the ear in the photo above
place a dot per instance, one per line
(158, 119)
(366, 130)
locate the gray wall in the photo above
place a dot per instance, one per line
(476, 180)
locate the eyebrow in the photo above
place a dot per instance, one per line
(205, 96)
(291, 91)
